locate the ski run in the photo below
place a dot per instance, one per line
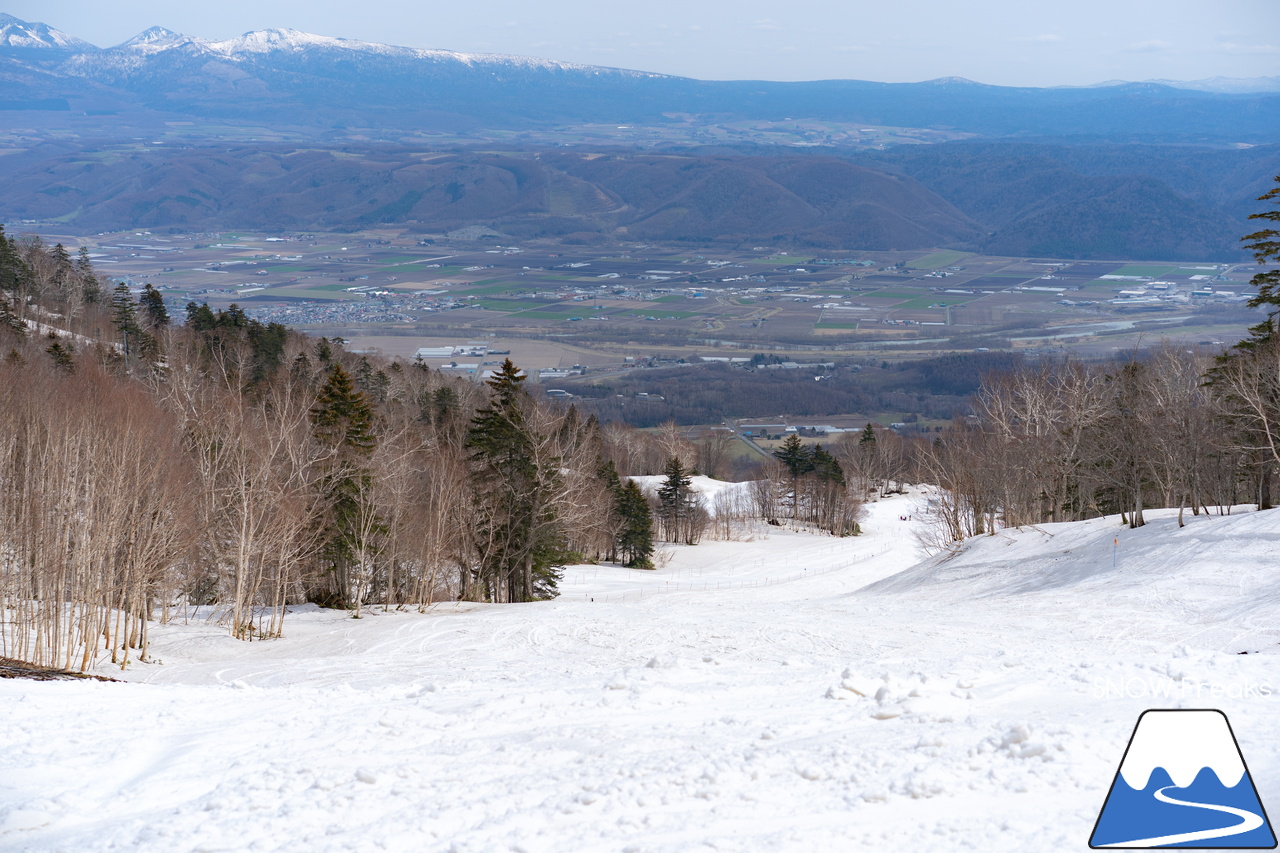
(793, 692)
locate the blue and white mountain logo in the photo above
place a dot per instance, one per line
(1183, 783)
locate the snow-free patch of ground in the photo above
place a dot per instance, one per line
(790, 693)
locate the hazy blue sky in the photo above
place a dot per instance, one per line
(1007, 42)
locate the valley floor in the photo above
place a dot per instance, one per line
(791, 693)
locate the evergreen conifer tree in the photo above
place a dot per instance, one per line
(15, 275)
(9, 321)
(675, 503)
(124, 314)
(89, 286)
(795, 456)
(1247, 377)
(635, 542)
(798, 461)
(63, 356)
(1265, 245)
(201, 317)
(826, 467)
(153, 308)
(516, 531)
(342, 420)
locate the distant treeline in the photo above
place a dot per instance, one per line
(1062, 441)
(936, 389)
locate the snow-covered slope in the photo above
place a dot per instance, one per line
(155, 40)
(33, 38)
(706, 488)
(269, 45)
(792, 693)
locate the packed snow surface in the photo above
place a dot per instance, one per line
(790, 693)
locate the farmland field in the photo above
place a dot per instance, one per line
(385, 284)
(938, 260)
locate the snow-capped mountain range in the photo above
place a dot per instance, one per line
(285, 77)
(16, 33)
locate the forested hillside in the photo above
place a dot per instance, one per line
(628, 195)
(1016, 199)
(146, 464)
(1095, 200)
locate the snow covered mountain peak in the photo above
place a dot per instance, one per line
(156, 39)
(952, 81)
(265, 41)
(17, 33)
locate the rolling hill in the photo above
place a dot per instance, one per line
(809, 201)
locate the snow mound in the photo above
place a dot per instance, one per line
(706, 488)
(1211, 553)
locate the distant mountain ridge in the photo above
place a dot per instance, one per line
(283, 76)
(21, 38)
(821, 202)
(1110, 185)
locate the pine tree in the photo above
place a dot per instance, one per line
(826, 467)
(1247, 378)
(675, 503)
(300, 372)
(266, 348)
(63, 356)
(153, 308)
(233, 318)
(201, 317)
(635, 542)
(1265, 245)
(342, 416)
(342, 420)
(374, 383)
(798, 461)
(124, 311)
(868, 438)
(516, 531)
(15, 275)
(10, 322)
(124, 318)
(794, 456)
(90, 287)
(63, 270)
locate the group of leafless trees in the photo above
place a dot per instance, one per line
(1061, 441)
(147, 467)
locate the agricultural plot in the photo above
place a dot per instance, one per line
(938, 260)
(1145, 270)
(604, 297)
